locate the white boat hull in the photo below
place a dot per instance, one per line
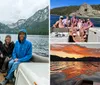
(32, 74)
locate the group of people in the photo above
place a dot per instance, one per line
(11, 55)
(76, 26)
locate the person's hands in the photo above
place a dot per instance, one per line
(10, 58)
(16, 60)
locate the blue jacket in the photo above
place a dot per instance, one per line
(22, 50)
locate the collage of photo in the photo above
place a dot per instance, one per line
(74, 42)
(50, 42)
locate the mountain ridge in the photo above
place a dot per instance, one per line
(67, 10)
(37, 24)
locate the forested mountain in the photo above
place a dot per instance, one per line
(37, 24)
(67, 10)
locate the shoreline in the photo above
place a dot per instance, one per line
(77, 16)
(17, 34)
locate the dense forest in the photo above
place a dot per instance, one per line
(69, 9)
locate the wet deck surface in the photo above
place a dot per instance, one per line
(2, 78)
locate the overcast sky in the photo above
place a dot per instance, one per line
(13, 10)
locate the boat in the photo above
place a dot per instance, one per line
(61, 35)
(84, 82)
(94, 34)
(34, 72)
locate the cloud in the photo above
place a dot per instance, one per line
(13, 10)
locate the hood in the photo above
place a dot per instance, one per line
(22, 30)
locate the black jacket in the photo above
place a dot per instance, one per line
(1, 46)
(7, 50)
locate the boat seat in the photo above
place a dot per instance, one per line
(60, 30)
(36, 59)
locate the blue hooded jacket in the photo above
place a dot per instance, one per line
(22, 50)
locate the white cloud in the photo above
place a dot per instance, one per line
(13, 10)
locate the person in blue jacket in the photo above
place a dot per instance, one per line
(22, 53)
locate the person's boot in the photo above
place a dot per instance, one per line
(4, 82)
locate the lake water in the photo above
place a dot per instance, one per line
(74, 69)
(54, 18)
(40, 43)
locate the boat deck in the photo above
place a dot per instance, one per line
(59, 35)
(63, 37)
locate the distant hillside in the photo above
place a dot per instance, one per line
(3, 28)
(64, 10)
(69, 9)
(38, 24)
(57, 58)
